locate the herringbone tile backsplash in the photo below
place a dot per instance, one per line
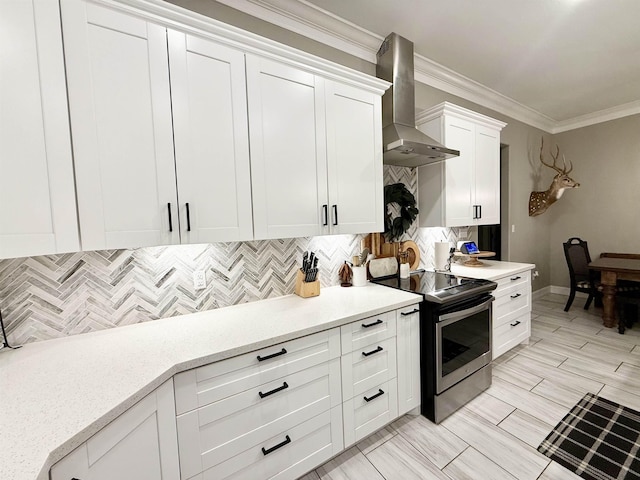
(57, 295)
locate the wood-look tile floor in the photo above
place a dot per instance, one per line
(495, 436)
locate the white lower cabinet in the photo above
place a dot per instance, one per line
(408, 346)
(511, 312)
(138, 445)
(274, 413)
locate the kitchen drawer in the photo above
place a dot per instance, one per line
(214, 433)
(359, 334)
(210, 383)
(507, 285)
(510, 334)
(511, 306)
(308, 445)
(365, 368)
(362, 417)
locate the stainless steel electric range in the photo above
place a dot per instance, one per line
(455, 338)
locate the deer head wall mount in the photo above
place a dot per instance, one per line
(540, 201)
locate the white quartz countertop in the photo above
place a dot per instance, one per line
(55, 394)
(491, 270)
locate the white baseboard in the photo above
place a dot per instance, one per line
(566, 291)
(540, 293)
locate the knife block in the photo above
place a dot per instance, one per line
(306, 289)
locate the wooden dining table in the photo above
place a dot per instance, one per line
(614, 267)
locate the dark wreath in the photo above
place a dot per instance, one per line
(398, 193)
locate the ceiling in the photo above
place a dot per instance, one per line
(563, 60)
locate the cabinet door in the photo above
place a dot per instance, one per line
(487, 175)
(408, 328)
(211, 135)
(288, 150)
(118, 79)
(141, 444)
(37, 195)
(354, 159)
(459, 172)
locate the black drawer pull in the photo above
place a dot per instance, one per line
(379, 349)
(170, 222)
(513, 279)
(415, 310)
(267, 357)
(275, 447)
(515, 324)
(275, 390)
(516, 295)
(367, 325)
(380, 392)
(188, 217)
(325, 215)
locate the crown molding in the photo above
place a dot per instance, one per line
(306, 19)
(613, 113)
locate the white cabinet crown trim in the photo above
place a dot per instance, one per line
(194, 23)
(446, 108)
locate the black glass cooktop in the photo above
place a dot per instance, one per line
(439, 287)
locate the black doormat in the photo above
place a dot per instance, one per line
(598, 440)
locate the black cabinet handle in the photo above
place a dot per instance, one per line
(475, 212)
(515, 324)
(267, 357)
(479, 211)
(516, 295)
(275, 447)
(367, 325)
(170, 222)
(513, 279)
(380, 392)
(188, 218)
(325, 215)
(275, 390)
(405, 314)
(335, 214)
(379, 349)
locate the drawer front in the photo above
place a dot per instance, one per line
(300, 448)
(210, 383)
(513, 282)
(368, 412)
(359, 334)
(511, 334)
(365, 368)
(511, 306)
(214, 433)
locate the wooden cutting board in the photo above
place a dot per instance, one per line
(414, 253)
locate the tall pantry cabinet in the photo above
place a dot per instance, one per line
(159, 132)
(37, 195)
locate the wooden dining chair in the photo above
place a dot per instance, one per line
(582, 279)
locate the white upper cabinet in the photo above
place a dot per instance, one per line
(120, 109)
(288, 150)
(208, 95)
(137, 91)
(463, 190)
(354, 154)
(37, 196)
(316, 153)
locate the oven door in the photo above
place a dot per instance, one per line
(463, 341)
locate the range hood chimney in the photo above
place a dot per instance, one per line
(402, 143)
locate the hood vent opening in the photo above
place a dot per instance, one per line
(403, 144)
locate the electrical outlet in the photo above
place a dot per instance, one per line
(199, 279)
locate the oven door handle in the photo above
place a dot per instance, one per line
(452, 317)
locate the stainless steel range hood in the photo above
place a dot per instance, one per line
(402, 143)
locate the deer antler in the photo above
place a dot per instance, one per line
(562, 171)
